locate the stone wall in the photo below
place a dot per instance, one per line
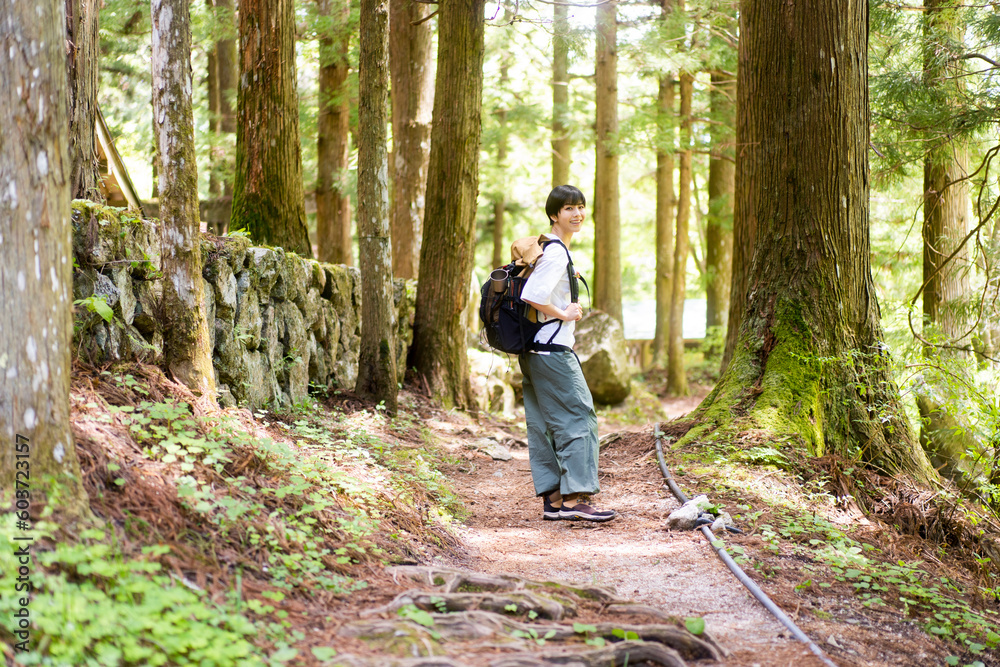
(279, 323)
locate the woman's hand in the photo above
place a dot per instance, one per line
(572, 313)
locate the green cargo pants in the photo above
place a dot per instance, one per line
(562, 424)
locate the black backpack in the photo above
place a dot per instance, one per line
(509, 324)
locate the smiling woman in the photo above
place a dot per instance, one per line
(558, 407)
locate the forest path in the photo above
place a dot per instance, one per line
(677, 572)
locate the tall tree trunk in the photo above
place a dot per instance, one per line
(333, 145)
(562, 146)
(665, 205)
(36, 267)
(946, 196)
(500, 202)
(607, 220)
(439, 338)
(744, 213)
(186, 345)
(377, 360)
(268, 200)
(223, 72)
(81, 62)
(946, 223)
(676, 377)
(810, 361)
(721, 182)
(411, 59)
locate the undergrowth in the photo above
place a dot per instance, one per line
(794, 495)
(206, 523)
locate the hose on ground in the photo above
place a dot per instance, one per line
(735, 569)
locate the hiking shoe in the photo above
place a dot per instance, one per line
(583, 512)
(550, 513)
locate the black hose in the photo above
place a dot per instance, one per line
(735, 569)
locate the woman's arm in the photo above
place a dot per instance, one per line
(573, 311)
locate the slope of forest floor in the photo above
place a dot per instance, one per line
(297, 537)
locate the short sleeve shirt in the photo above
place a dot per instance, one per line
(549, 284)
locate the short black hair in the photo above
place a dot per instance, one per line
(560, 196)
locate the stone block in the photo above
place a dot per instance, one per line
(600, 345)
(148, 294)
(265, 264)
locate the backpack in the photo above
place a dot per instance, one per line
(509, 324)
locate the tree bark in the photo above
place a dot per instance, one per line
(82, 65)
(439, 338)
(500, 252)
(186, 342)
(744, 216)
(411, 59)
(810, 362)
(946, 195)
(562, 146)
(676, 377)
(666, 203)
(333, 145)
(377, 359)
(721, 183)
(223, 73)
(268, 200)
(607, 220)
(946, 222)
(38, 455)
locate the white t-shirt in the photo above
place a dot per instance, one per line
(549, 284)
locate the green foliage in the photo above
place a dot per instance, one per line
(97, 303)
(293, 523)
(936, 603)
(695, 625)
(91, 606)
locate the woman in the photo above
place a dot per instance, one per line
(558, 407)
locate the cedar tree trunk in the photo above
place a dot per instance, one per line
(333, 144)
(944, 436)
(810, 361)
(38, 455)
(411, 62)
(607, 220)
(562, 147)
(377, 361)
(721, 181)
(186, 342)
(666, 202)
(267, 193)
(500, 202)
(439, 351)
(676, 378)
(81, 63)
(946, 193)
(223, 73)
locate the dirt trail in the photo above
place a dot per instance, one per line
(676, 572)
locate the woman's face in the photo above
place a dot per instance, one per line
(569, 219)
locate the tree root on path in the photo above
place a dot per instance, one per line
(616, 655)
(451, 581)
(515, 602)
(480, 625)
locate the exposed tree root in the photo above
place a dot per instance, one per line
(451, 581)
(482, 625)
(616, 655)
(515, 602)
